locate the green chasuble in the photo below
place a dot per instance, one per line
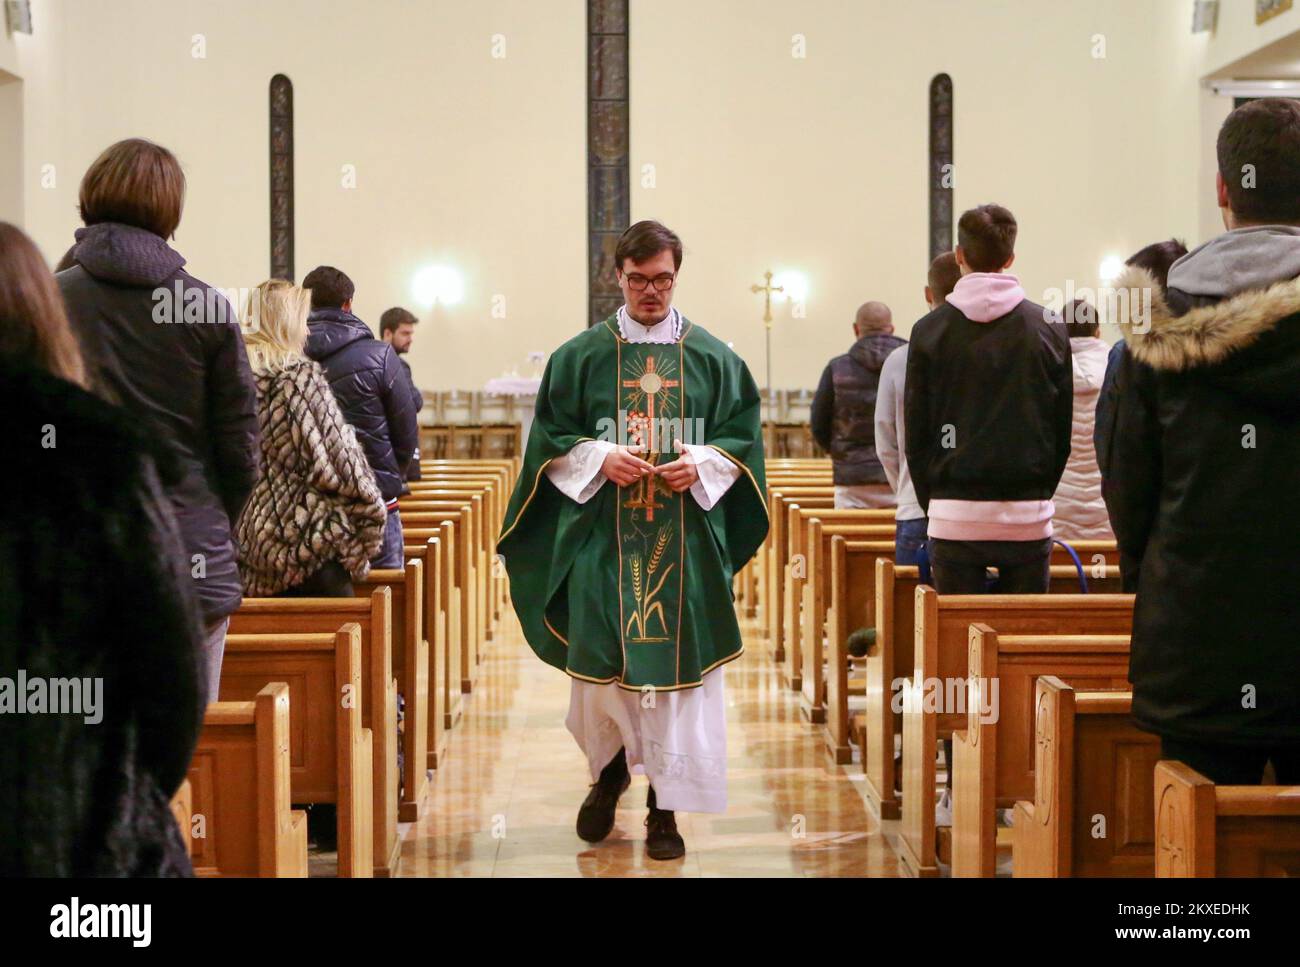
(634, 586)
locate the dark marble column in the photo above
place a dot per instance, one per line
(281, 116)
(608, 188)
(941, 214)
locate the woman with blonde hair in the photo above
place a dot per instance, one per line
(316, 517)
(95, 591)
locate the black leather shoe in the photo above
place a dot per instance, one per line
(662, 841)
(596, 816)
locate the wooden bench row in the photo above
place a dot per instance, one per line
(417, 630)
(826, 573)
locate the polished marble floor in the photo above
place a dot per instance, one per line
(504, 803)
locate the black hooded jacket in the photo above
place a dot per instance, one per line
(1201, 468)
(844, 409)
(93, 585)
(373, 391)
(168, 349)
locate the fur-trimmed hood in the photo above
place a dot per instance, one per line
(1248, 343)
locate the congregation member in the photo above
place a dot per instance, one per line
(397, 328)
(843, 411)
(910, 520)
(373, 391)
(1203, 455)
(167, 348)
(94, 589)
(1080, 510)
(988, 409)
(316, 517)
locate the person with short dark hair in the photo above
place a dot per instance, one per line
(890, 422)
(397, 328)
(96, 593)
(640, 496)
(1080, 511)
(168, 348)
(988, 404)
(373, 391)
(844, 406)
(1202, 458)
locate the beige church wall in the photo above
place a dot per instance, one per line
(765, 160)
(459, 158)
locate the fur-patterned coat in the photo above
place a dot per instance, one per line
(1201, 472)
(317, 500)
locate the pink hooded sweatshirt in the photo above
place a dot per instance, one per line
(983, 297)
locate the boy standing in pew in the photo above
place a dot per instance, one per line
(1203, 456)
(988, 408)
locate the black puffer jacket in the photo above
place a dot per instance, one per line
(178, 366)
(92, 585)
(844, 409)
(1202, 468)
(373, 391)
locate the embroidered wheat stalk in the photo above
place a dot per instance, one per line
(660, 546)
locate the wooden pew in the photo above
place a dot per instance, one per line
(1204, 830)
(379, 688)
(411, 668)
(182, 811)
(1090, 763)
(478, 544)
(495, 499)
(994, 757)
(808, 610)
(462, 556)
(892, 657)
(330, 754)
(774, 552)
(940, 657)
(851, 605)
(452, 619)
(239, 779)
(434, 615)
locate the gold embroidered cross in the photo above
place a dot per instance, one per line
(650, 383)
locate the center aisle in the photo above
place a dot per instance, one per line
(506, 801)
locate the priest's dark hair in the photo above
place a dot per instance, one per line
(987, 237)
(645, 240)
(329, 287)
(394, 318)
(1158, 258)
(1259, 160)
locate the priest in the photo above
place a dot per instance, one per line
(642, 493)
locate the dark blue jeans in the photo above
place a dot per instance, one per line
(390, 552)
(909, 536)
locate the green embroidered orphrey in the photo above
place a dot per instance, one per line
(635, 585)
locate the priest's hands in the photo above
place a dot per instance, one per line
(623, 467)
(681, 474)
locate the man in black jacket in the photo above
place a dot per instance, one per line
(372, 389)
(1202, 460)
(844, 411)
(397, 328)
(988, 407)
(167, 347)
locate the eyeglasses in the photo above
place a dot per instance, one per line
(638, 283)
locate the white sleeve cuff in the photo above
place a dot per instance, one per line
(717, 474)
(577, 473)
